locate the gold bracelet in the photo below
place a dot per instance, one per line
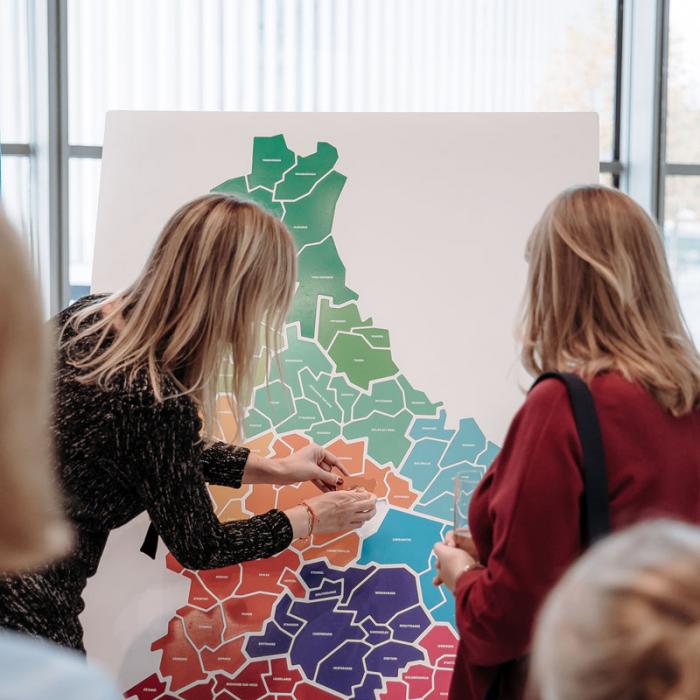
(472, 567)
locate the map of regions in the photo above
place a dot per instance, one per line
(340, 616)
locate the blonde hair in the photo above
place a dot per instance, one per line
(624, 622)
(600, 298)
(221, 268)
(32, 528)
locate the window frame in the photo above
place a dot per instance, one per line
(49, 25)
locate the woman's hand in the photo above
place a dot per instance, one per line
(311, 463)
(463, 541)
(336, 511)
(452, 561)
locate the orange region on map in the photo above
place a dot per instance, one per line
(296, 442)
(262, 498)
(228, 501)
(281, 449)
(204, 628)
(260, 446)
(228, 655)
(226, 422)
(350, 454)
(262, 575)
(233, 510)
(340, 552)
(372, 478)
(289, 496)
(179, 660)
(247, 614)
(400, 493)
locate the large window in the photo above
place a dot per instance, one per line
(681, 201)
(338, 55)
(345, 55)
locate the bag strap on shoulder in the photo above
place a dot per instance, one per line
(595, 508)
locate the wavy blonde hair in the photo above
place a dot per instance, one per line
(217, 285)
(624, 622)
(32, 527)
(600, 298)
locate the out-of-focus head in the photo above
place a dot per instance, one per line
(624, 622)
(32, 528)
(217, 285)
(600, 298)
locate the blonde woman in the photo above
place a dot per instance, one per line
(135, 372)
(599, 303)
(624, 622)
(33, 530)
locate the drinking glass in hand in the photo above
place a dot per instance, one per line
(463, 489)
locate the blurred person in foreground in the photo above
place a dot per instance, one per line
(624, 622)
(33, 532)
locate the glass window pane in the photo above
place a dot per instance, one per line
(340, 55)
(683, 117)
(14, 72)
(84, 174)
(682, 230)
(15, 192)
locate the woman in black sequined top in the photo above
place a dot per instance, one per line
(135, 385)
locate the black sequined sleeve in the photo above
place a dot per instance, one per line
(223, 464)
(171, 479)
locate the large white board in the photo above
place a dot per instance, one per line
(431, 226)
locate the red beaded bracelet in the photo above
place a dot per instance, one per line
(313, 518)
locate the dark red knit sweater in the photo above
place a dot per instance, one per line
(525, 515)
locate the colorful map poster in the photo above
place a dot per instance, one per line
(353, 615)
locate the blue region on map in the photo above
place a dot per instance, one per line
(273, 641)
(438, 498)
(422, 462)
(431, 428)
(467, 443)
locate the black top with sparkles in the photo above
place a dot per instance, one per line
(120, 452)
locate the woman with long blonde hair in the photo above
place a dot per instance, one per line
(33, 529)
(624, 622)
(135, 392)
(599, 304)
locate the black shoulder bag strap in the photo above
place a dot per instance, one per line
(595, 511)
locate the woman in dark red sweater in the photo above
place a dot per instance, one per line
(600, 302)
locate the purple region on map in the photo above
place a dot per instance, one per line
(410, 625)
(384, 594)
